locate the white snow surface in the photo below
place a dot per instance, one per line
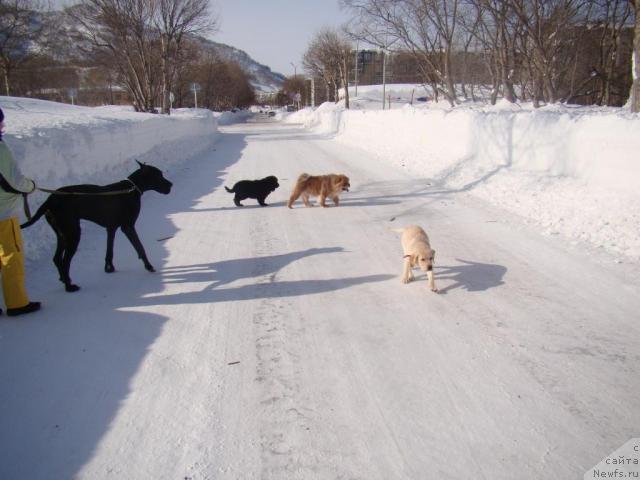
(277, 343)
(573, 171)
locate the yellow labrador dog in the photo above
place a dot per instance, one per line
(417, 253)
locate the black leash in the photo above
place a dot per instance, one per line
(115, 192)
(6, 186)
(25, 204)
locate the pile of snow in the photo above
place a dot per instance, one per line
(324, 119)
(58, 144)
(574, 171)
(228, 117)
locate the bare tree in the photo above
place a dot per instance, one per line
(635, 88)
(20, 27)
(426, 28)
(340, 49)
(329, 57)
(497, 31)
(173, 20)
(120, 31)
(315, 64)
(293, 85)
(547, 29)
(224, 84)
(605, 29)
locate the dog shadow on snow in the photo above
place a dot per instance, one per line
(470, 276)
(260, 272)
(247, 205)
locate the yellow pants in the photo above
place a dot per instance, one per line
(12, 264)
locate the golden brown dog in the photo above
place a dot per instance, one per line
(321, 186)
(417, 253)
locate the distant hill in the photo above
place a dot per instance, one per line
(263, 79)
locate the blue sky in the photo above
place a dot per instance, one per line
(275, 32)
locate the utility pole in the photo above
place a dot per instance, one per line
(356, 76)
(295, 79)
(194, 88)
(384, 76)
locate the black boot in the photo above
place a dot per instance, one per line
(28, 308)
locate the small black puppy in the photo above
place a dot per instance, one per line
(258, 189)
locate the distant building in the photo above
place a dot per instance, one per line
(400, 68)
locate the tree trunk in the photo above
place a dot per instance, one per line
(494, 68)
(448, 79)
(506, 68)
(345, 81)
(436, 92)
(635, 87)
(165, 74)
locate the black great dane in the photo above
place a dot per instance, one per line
(112, 206)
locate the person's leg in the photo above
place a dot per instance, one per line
(12, 264)
(12, 269)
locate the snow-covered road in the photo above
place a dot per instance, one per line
(281, 344)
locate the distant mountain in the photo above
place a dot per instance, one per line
(263, 79)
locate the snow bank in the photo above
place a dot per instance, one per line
(227, 118)
(58, 144)
(573, 171)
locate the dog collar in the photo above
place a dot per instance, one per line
(135, 186)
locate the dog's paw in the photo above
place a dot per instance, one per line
(109, 268)
(405, 280)
(71, 287)
(149, 267)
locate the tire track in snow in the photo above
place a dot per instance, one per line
(276, 332)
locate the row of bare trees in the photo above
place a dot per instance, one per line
(138, 37)
(224, 84)
(329, 58)
(532, 49)
(19, 30)
(148, 49)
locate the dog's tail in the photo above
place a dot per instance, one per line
(303, 177)
(232, 190)
(41, 211)
(301, 185)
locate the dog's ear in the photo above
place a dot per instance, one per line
(141, 164)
